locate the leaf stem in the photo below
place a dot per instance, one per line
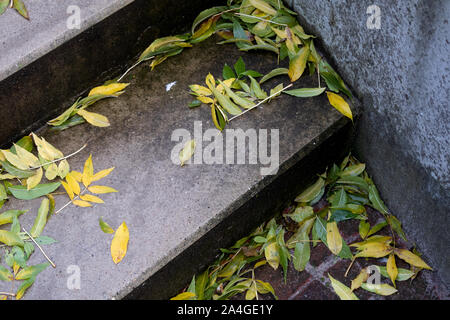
(40, 248)
(262, 19)
(63, 158)
(7, 294)
(82, 192)
(261, 102)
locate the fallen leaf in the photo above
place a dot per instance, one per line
(119, 243)
(340, 104)
(187, 151)
(344, 292)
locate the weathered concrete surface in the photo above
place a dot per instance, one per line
(44, 65)
(400, 73)
(169, 208)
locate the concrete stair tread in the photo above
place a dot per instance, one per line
(24, 41)
(166, 207)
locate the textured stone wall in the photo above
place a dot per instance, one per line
(400, 73)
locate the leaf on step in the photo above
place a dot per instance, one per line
(274, 73)
(91, 198)
(311, 192)
(184, 296)
(21, 192)
(88, 172)
(272, 255)
(380, 289)
(298, 63)
(108, 89)
(263, 6)
(34, 180)
(360, 279)
(104, 226)
(334, 239)
(344, 292)
(20, 8)
(101, 189)
(411, 258)
(187, 152)
(391, 268)
(81, 203)
(95, 119)
(340, 104)
(73, 184)
(119, 244)
(305, 92)
(10, 239)
(101, 174)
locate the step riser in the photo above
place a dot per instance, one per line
(49, 85)
(242, 220)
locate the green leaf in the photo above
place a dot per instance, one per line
(301, 253)
(205, 14)
(21, 192)
(243, 102)
(239, 33)
(252, 73)
(344, 292)
(31, 271)
(380, 289)
(219, 118)
(44, 240)
(396, 226)
(3, 6)
(227, 72)
(311, 192)
(256, 89)
(71, 122)
(403, 274)
(21, 174)
(266, 47)
(355, 181)
(274, 73)
(41, 219)
(354, 170)
(104, 226)
(376, 201)
(8, 216)
(194, 104)
(20, 8)
(301, 214)
(26, 143)
(305, 92)
(10, 239)
(239, 66)
(5, 274)
(25, 285)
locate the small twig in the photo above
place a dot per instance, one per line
(48, 259)
(68, 203)
(261, 102)
(7, 294)
(349, 267)
(63, 158)
(262, 19)
(132, 67)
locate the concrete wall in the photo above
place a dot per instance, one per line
(400, 73)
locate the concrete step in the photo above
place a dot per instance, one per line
(45, 63)
(178, 217)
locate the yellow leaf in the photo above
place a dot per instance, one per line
(15, 160)
(184, 296)
(81, 203)
(360, 279)
(68, 189)
(27, 157)
(34, 180)
(374, 250)
(109, 89)
(344, 292)
(200, 90)
(63, 168)
(205, 99)
(263, 6)
(46, 150)
(101, 174)
(340, 104)
(411, 258)
(251, 292)
(77, 175)
(73, 184)
(101, 189)
(187, 151)
(210, 81)
(51, 172)
(119, 243)
(91, 198)
(88, 171)
(272, 255)
(334, 238)
(95, 119)
(298, 63)
(203, 28)
(391, 268)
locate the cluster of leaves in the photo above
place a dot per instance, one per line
(20, 164)
(18, 5)
(224, 101)
(19, 246)
(77, 114)
(348, 190)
